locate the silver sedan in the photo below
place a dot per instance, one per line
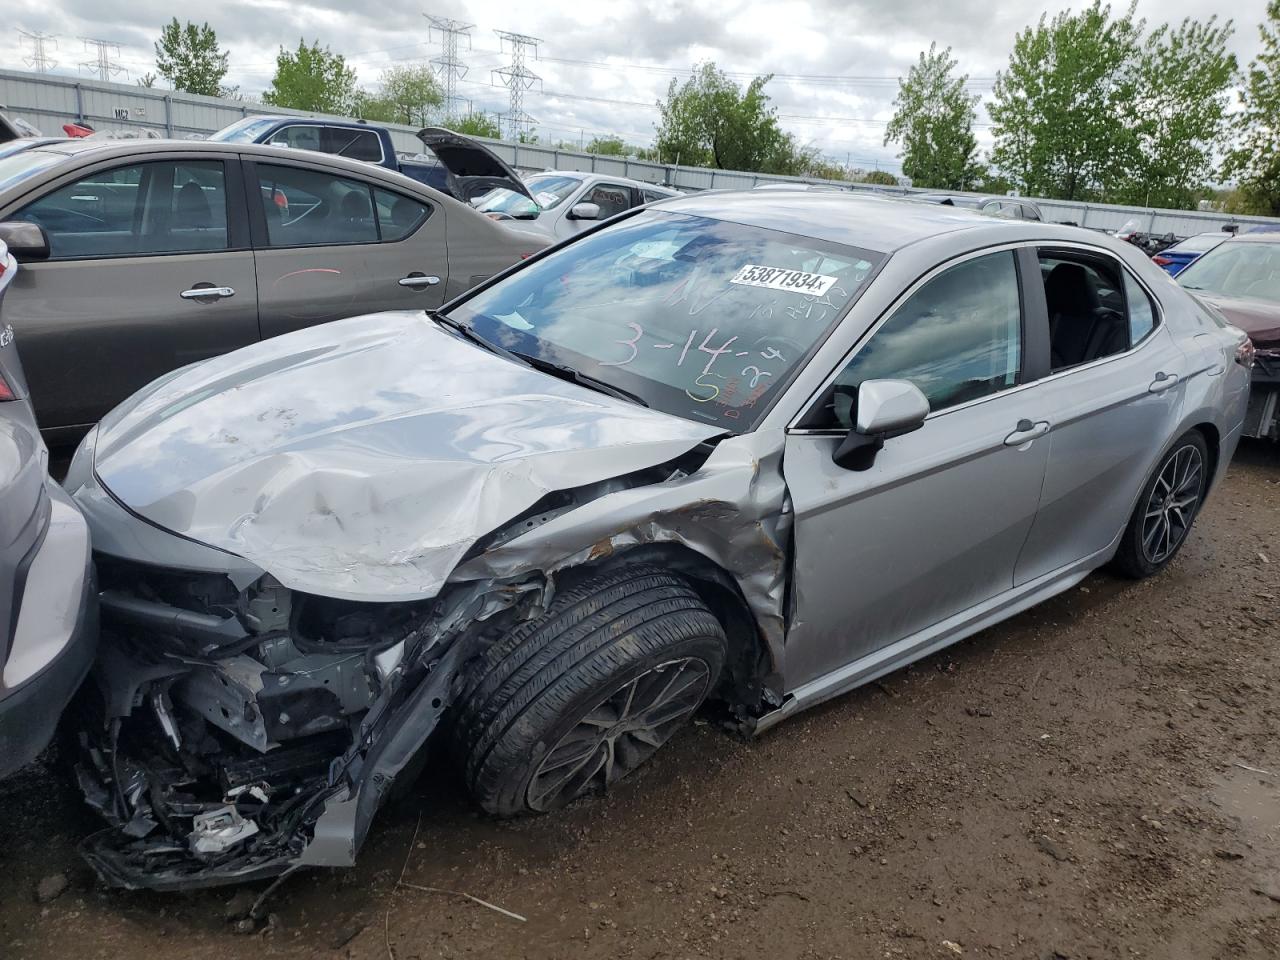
(759, 448)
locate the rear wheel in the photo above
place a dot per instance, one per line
(568, 704)
(1166, 509)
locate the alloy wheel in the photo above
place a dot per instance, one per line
(619, 733)
(1172, 506)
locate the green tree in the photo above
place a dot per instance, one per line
(1255, 162)
(608, 146)
(312, 78)
(1179, 114)
(933, 122)
(882, 177)
(188, 56)
(709, 121)
(476, 125)
(1058, 110)
(147, 80)
(406, 94)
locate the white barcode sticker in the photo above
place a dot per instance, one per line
(786, 280)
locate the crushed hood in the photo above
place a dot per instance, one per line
(1260, 319)
(473, 168)
(361, 459)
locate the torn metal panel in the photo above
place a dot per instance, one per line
(733, 510)
(376, 489)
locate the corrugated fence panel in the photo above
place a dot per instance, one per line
(49, 101)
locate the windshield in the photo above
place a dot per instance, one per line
(548, 191)
(1237, 269)
(244, 131)
(1199, 243)
(700, 318)
(17, 167)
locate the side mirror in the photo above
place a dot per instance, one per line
(584, 211)
(886, 408)
(25, 240)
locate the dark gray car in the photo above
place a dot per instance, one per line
(157, 254)
(48, 627)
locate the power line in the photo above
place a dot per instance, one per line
(39, 61)
(518, 78)
(447, 65)
(103, 64)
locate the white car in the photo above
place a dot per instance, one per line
(567, 202)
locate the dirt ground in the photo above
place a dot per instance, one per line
(1098, 777)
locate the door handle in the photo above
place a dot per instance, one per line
(418, 281)
(1162, 382)
(207, 293)
(1025, 432)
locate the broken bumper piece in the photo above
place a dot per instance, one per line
(222, 755)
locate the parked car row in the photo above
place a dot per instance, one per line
(754, 447)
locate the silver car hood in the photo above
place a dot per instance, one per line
(361, 459)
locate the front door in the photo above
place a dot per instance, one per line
(936, 523)
(119, 301)
(330, 246)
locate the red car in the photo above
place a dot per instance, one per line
(1240, 280)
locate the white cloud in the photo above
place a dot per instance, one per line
(645, 42)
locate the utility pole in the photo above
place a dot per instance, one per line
(447, 66)
(518, 78)
(101, 64)
(39, 61)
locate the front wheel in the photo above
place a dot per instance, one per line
(1166, 509)
(570, 703)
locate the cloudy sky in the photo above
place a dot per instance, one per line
(603, 65)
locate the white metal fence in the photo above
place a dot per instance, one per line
(49, 101)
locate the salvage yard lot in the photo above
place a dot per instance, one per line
(1072, 783)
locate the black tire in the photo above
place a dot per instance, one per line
(545, 689)
(1135, 558)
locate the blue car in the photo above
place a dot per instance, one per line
(1182, 254)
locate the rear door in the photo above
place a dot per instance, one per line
(150, 269)
(330, 245)
(1112, 398)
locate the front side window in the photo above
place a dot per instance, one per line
(135, 210)
(957, 338)
(1090, 308)
(298, 137)
(611, 198)
(700, 318)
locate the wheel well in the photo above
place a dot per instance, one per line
(748, 664)
(1212, 440)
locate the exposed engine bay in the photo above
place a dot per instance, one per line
(234, 723)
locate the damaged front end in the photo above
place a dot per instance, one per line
(240, 733)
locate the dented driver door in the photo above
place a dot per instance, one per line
(329, 245)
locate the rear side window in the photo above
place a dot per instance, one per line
(136, 210)
(307, 208)
(957, 338)
(398, 215)
(356, 144)
(1096, 309)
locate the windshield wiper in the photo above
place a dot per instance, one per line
(565, 372)
(465, 331)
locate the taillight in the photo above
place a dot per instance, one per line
(6, 391)
(1244, 354)
(1160, 261)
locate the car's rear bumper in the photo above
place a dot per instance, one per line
(55, 639)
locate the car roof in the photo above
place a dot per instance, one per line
(1269, 236)
(91, 149)
(585, 175)
(877, 223)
